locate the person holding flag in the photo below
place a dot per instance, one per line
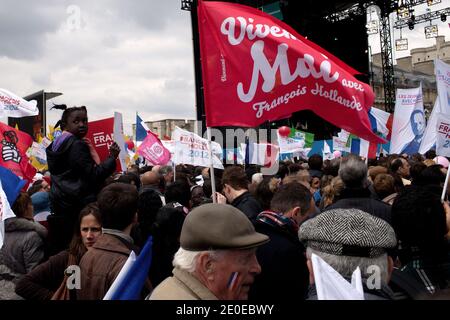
(77, 174)
(101, 265)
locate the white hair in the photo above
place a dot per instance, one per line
(353, 172)
(346, 265)
(187, 260)
(257, 178)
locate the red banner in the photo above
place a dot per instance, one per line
(13, 146)
(257, 69)
(101, 135)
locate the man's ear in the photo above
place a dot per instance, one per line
(205, 266)
(135, 218)
(296, 212)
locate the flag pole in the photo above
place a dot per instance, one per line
(174, 167)
(444, 192)
(211, 166)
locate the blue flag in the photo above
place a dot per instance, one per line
(131, 286)
(11, 184)
(141, 133)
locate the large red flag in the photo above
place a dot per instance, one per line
(13, 146)
(256, 69)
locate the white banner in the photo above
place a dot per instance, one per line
(442, 104)
(13, 106)
(5, 213)
(409, 121)
(340, 144)
(443, 134)
(290, 145)
(119, 139)
(192, 149)
(169, 145)
(38, 151)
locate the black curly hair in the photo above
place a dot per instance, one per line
(66, 113)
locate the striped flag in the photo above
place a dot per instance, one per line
(131, 279)
(141, 129)
(264, 154)
(381, 121)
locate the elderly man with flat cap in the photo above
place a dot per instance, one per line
(347, 239)
(216, 259)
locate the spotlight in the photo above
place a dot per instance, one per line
(443, 17)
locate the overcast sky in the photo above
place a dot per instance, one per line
(110, 55)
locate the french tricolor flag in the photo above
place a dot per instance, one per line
(381, 123)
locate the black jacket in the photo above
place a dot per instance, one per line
(361, 199)
(76, 179)
(284, 273)
(248, 205)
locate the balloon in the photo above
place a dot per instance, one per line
(337, 154)
(442, 161)
(130, 144)
(284, 131)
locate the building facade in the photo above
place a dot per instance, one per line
(410, 71)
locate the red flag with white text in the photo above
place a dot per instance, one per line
(257, 69)
(13, 148)
(100, 135)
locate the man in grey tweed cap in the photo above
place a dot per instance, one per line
(349, 238)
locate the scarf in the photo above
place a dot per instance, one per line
(278, 220)
(60, 139)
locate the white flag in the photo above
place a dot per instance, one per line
(5, 213)
(441, 105)
(330, 285)
(290, 145)
(327, 155)
(408, 126)
(443, 134)
(13, 106)
(193, 149)
(119, 139)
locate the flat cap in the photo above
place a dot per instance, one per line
(219, 226)
(348, 232)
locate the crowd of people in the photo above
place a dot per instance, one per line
(259, 241)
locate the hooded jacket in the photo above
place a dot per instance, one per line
(76, 179)
(23, 248)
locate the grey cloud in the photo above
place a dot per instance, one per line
(24, 24)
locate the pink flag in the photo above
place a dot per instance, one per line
(153, 150)
(259, 68)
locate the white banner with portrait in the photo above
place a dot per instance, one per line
(409, 121)
(441, 105)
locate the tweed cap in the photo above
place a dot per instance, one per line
(348, 232)
(219, 226)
